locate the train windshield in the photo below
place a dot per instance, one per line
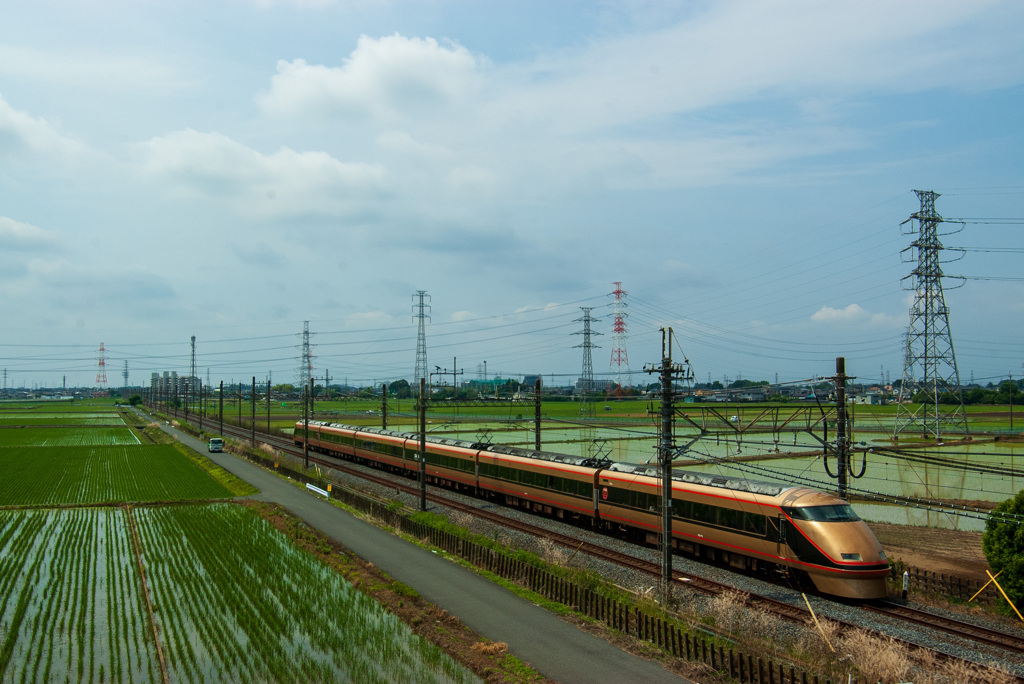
(838, 513)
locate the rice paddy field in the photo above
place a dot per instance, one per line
(70, 418)
(57, 476)
(230, 600)
(101, 580)
(65, 436)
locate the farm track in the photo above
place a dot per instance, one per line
(795, 614)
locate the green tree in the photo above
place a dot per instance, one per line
(400, 389)
(1003, 544)
(135, 400)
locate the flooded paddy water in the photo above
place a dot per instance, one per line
(982, 470)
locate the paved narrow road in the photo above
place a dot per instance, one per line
(555, 648)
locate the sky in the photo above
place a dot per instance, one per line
(231, 169)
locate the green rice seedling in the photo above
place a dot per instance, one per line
(267, 604)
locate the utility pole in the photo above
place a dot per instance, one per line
(844, 436)
(421, 336)
(536, 414)
(384, 406)
(454, 373)
(221, 412)
(306, 360)
(620, 359)
(669, 373)
(423, 443)
(587, 374)
(842, 439)
(929, 363)
(252, 422)
(305, 421)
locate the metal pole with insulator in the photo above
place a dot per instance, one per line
(536, 414)
(842, 441)
(252, 422)
(423, 444)
(665, 454)
(305, 421)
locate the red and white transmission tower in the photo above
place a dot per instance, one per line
(101, 371)
(620, 359)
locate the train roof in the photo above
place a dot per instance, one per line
(542, 455)
(687, 476)
(691, 477)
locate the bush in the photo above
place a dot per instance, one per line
(1003, 544)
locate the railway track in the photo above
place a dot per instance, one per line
(982, 635)
(796, 614)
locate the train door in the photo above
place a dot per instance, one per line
(781, 546)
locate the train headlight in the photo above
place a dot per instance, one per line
(851, 556)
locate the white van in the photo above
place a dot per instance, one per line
(215, 444)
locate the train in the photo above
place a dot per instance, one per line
(752, 526)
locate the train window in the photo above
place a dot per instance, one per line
(755, 523)
(728, 517)
(702, 512)
(616, 496)
(680, 508)
(837, 513)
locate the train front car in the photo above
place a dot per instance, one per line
(837, 549)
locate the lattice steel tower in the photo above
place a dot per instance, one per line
(101, 369)
(421, 314)
(586, 386)
(306, 357)
(620, 359)
(929, 364)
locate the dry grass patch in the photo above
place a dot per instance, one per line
(728, 610)
(552, 553)
(878, 659)
(490, 648)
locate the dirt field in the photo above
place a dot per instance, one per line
(946, 552)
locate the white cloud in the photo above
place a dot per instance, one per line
(91, 68)
(17, 236)
(369, 319)
(739, 52)
(21, 134)
(471, 179)
(849, 314)
(855, 313)
(286, 182)
(18, 241)
(389, 78)
(312, 4)
(404, 143)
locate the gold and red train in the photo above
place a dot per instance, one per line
(749, 525)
